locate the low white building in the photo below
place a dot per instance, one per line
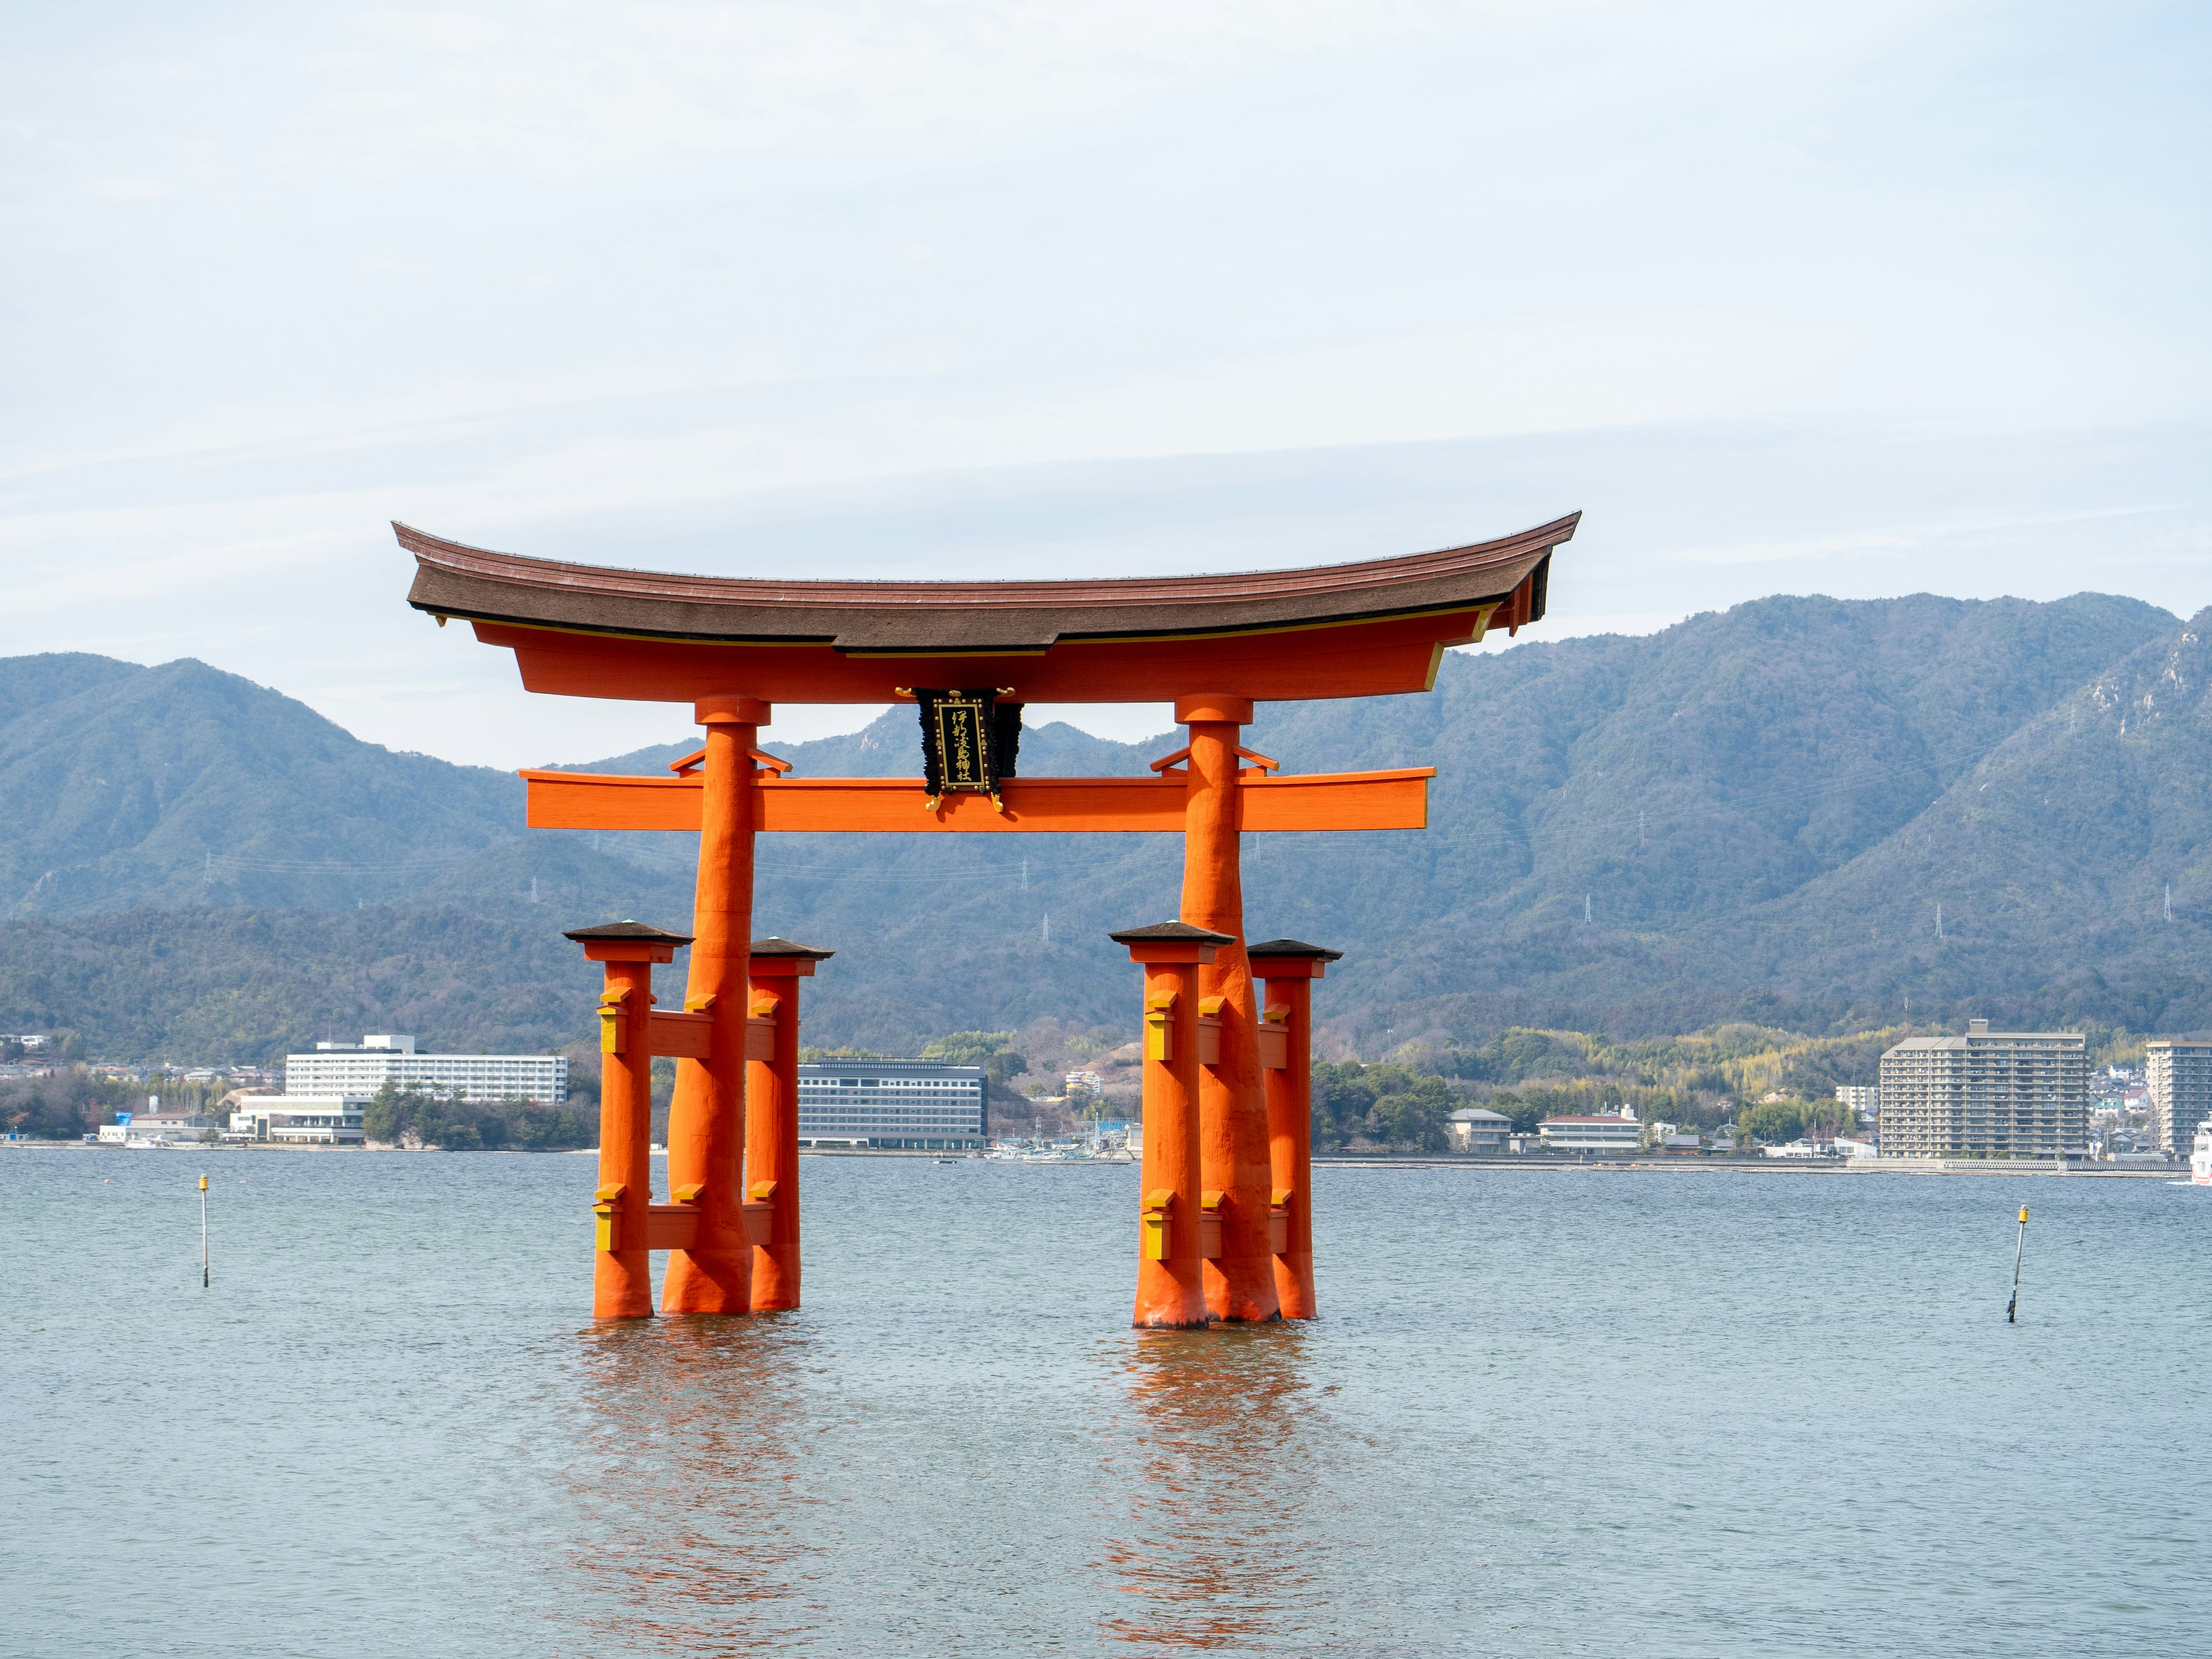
(300, 1120)
(157, 1127)
(1618, 1132)
(1473, 1130)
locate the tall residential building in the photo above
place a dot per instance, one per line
(344, 1070)
(1863, 1098)
(2181, 1091)
(2025, 1094)
(891, 1103)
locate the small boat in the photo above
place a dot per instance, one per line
(2200, 1155)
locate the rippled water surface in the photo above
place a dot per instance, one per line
(1545, 1412)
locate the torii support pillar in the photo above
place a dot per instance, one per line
(772, 1120)
(1171, 1246)
(1240, 1285)
(1290, 967)
(706, 1117)
(622, 1283)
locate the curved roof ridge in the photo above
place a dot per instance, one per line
(514, 570)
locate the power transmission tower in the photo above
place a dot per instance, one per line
(1048, 927)
(1586, 910)
(1025, 875)
(1639, 826)
(2169, 901)
(1939, 918)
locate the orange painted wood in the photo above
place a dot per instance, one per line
(1239, 1275)
(1289, 1135)
(760, 1216)
(622, 1286)
(681, 1036)
(1366, 658)
(1274, 1047)
(760, 1038)
(1333, 800)
(1170, 1288)
(672, 1227)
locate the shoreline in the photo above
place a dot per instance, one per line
(1918, 1166)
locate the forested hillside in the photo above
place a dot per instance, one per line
(1752, 815)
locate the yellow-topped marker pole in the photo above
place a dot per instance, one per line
(2018, 1244)
(204, 1256)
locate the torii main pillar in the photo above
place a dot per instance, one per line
(707, 1116)
(1232, 1108)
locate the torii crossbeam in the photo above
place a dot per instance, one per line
(1212, 646)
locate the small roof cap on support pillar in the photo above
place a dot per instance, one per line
(1290, 958)
(1172, 941)
(772, 954)
(628, 941)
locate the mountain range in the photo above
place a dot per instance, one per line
(1760, 813)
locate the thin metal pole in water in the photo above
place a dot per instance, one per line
(203, 1255)
(2018, 1244)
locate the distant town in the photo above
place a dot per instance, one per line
(1978, 1098)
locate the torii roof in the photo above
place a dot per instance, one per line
(1327, 630)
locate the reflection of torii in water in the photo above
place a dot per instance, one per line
(1227, 1232)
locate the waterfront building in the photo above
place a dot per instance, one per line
(150, 1129)
(299, 1121)
(2016, 1094)
(357, 1071)
(1473, 1130)
(915, 1104)
(1618, 1132)
(2178, 1091)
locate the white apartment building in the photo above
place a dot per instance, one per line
(352, 1072)
(2023, 1094)
(891, 1103)
(2180, 1076)
(1865, 1099)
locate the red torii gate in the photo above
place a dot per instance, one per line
(1226, 1214)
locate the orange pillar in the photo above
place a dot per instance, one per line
(1170, 1267)
(707, 1118)
(621, 1285)
(1290, 967)
(1232, 1107)
(772, 1120)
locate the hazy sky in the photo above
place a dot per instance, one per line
(1860, 300)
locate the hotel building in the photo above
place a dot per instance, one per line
(891, 1103)
(357, 1072)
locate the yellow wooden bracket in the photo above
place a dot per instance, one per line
(763, 1005)
(1210, 1007)
(603, 1214)
(688, 1192)
(1280, 1197)
(700, 1005)
(610, 1020)
(761, 1191)
(1160, 1028)
(1152, 1243)
(1211, 1201)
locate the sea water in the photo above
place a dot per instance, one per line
(1545, 1412)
